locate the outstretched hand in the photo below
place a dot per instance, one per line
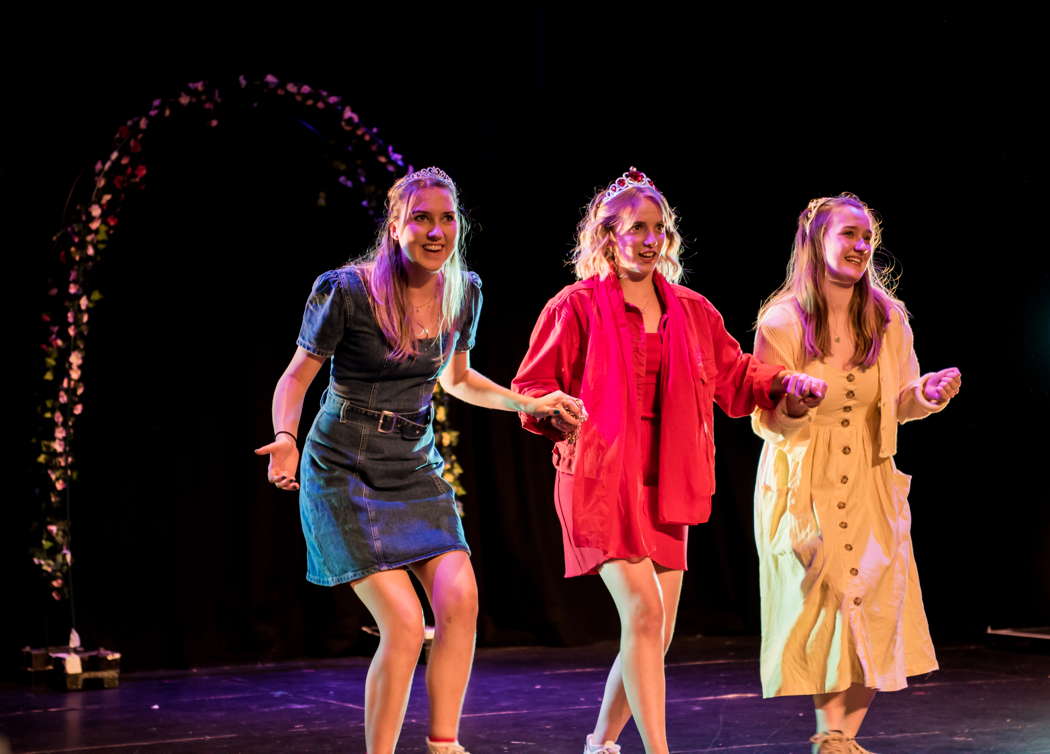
(943, 385)
(284, 459)
(565, 412)
(803, 392)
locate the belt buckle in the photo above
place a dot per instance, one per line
(387, 422)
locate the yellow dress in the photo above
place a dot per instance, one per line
(841, 602)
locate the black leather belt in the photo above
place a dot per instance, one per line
(411, 426)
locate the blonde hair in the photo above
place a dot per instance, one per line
(595, 253)
(872, 304)
(383, 269)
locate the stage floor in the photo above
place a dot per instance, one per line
(534, 701)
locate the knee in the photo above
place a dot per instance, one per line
(457, 604)
(403, 632)
(645, 620)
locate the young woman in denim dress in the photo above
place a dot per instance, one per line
(373, 502)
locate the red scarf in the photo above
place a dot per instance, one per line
(608, 447)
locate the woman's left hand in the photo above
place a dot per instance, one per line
(565, 412)
(943, 385)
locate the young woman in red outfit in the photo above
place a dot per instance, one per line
(648, 358)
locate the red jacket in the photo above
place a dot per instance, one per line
(590, 344)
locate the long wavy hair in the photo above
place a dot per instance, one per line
(872, 304)
(595, 252)
(384, 269)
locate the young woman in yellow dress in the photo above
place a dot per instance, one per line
(842, 613)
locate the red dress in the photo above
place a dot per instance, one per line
(664, 543)
(650, 401)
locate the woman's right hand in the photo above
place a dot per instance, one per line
(284, 459)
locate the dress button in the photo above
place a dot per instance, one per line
(845, 479)
(853, 571)
(844, 422)
(846, 450)
(850, 377)
(849, 547)
(857, 600)
(843, 524)
(847, 409)
(840, 505)
(850, 394)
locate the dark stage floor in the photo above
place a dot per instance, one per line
(534, 700)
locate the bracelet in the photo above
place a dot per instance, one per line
(286, 432)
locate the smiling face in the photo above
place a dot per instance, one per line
(847, 245)
(639, 239)
(427, 232)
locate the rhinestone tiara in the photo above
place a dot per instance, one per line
(431, 172)
(633, 177)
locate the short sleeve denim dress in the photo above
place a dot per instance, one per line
(370, 499)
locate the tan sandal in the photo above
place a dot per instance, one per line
(452, 747)
(856, 748)
(831, 742)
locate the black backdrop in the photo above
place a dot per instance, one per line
(184, 556)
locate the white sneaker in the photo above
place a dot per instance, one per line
(609, 747)
(444, 747)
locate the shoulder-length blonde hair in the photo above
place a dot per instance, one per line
(872, 303)
(595, 252)
(383, 269)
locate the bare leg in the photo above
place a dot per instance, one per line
(843, 710)
(449, 582)
(615, 711)
(637, 592)
(391, 599)
(858, 699)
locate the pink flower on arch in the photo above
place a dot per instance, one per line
(60, 484)
(76, 358)
(60, 431)
(78, 408)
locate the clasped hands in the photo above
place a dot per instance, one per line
(802, 392)
(565, 412)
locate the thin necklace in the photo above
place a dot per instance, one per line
(424, 331)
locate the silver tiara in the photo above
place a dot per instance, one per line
(431, 172)
(633, 177)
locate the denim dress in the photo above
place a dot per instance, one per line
(371, 500)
